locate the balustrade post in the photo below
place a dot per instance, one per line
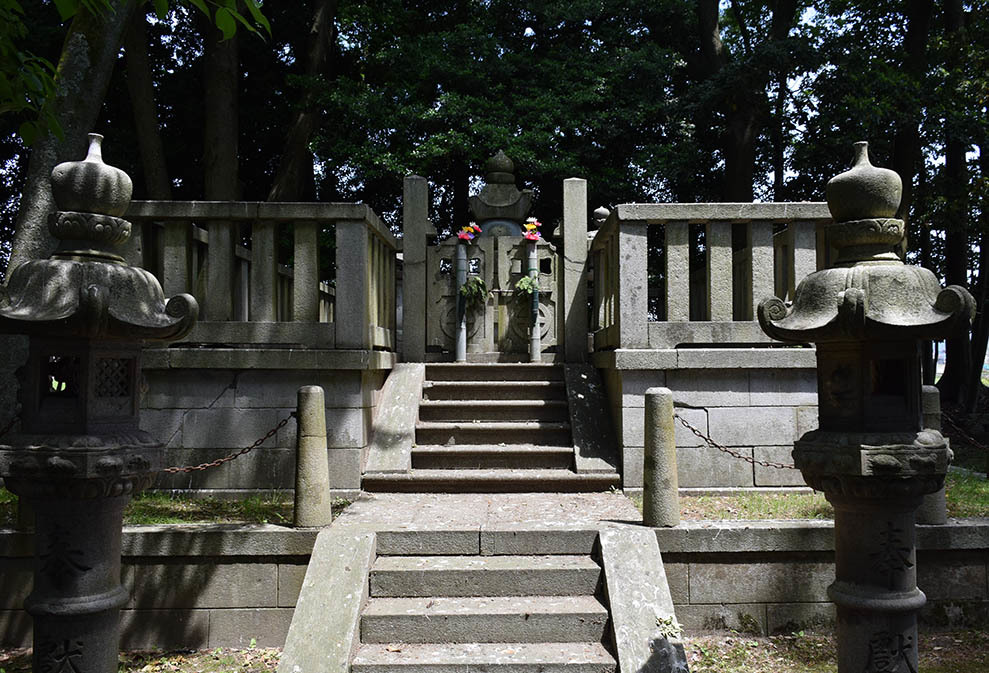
(719, 271)
(760, 235)
(305, 288)
(415, 227)
(677, 272)
(633, 286)
(575, 269)
(264, 269)
(175, 259)
(351, 310)
(804, 250)
(219, 274)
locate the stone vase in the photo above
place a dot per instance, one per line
(91, 186)
(864, 191)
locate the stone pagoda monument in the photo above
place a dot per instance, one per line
(500, 208)
(80, 454)
(871, 456)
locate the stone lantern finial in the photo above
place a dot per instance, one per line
(872, 455)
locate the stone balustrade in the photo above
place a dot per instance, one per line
(749, 251)
(225, 254)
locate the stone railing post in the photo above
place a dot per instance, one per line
(575, 269)
(218, 304)
(633, 286)
(660, 497)
(312, 474)
(415, 229)
(934, 508)
(352, 311)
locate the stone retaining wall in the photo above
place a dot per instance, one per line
(207, 403)
(224, 585)
(755, 401)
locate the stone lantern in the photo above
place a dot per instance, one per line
(871, 456)
(80, 454)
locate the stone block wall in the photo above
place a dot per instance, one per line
(753, 401)
(222, 585)
(205, 413)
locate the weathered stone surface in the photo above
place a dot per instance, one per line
(204, 585)
(488, 619)
(751, 426)
(783, 387)
(345, 428)
(290, 577)
(773, 476)
(494, 657)
(633, 467)
(312, 478)
(787, 618)
(747, 618)
(709, 388)
(632, 431)
(639, 597)
(344, 468)
(746, 358)
(660, 497)
(212, 428)
(593, 435)
(575, 269)
(678, 579)
(797, 581)
(164, 629)
(740, 212)
(264, 627)
(697, 418)
(15, 583)
(634, 385)
(418, 540)
(951, 581)
(165, 425)
(705, 467)
(393, 429)
(509, 539)
(214, 539)
(325, 629)
(15, 628)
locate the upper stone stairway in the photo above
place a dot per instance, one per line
(493, 428)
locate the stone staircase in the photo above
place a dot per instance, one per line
(493, 428)
(501, 614)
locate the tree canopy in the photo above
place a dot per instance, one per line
(649, 100)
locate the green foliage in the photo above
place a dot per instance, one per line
(475, 293)
(525, 286)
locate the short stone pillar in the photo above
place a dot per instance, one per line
(80, 453)
(660, 495)
(872, 456)
(312, 472)
(934, 508)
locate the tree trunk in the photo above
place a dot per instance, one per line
(907, 156)
(294, 176)
(980, 327)
(958, 360)
(142, 94)
(81, 80)
(220, 167)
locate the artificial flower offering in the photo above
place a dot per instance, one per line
(532, 229)
(469, 232)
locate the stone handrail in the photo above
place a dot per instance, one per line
(713, 304)
(224, 253)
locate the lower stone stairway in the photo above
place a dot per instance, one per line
(504, 614)
(493, 428)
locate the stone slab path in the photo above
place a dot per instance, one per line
(488, 510)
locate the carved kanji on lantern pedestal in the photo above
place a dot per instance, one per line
(81, 454)
(871, 456)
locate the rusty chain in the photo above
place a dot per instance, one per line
(10, 425)
(734, 454)
(232, 456)
(961, 431)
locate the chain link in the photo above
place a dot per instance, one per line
(734, 454)
(10, 425)
(226, 459)
(967, 437)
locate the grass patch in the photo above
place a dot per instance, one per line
(160, 507)
(954, 652)
(949, 652)
(967, 495)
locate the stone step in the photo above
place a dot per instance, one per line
(496, 371)
(484, 658)
(435, 576)
(494, 410)
(491, 481)
(544, 433)
(488, 619)
(480, 389)
(491, 456)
